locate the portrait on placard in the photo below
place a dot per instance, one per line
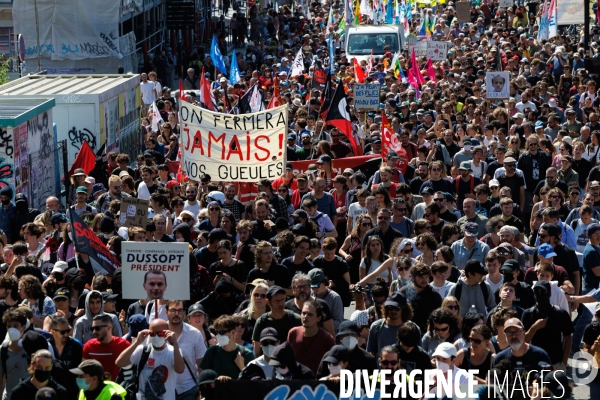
(497, 85)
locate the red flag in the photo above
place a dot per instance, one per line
(181, 92)
(85, 159)
(205, 94)
(359, 74)
(339, 117)
(386, 135)
(430, 70)
(276, 99)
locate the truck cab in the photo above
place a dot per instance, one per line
(362, 39)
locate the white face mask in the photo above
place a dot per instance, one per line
(335, 369)
(268, 350)
(107, 235)
(223, 340)
(442, 366)
(14, 334)
(180, 239)
(158, 342)
(467, 147)
(349, 342)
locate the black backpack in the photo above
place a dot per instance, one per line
(131, 383)
(482, 285)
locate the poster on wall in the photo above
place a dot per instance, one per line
(22, 176)
(570, 12)
(496, 85)
(7, 157)
(42, 162)
(111, 123)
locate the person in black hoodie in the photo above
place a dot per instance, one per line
(23, 215)
(185, 233)
(75, 282)
(286, 367)
(221, 301)
(40, 368)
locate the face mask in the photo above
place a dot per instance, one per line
(223, 340)
(335, 369)
(180, 239)
(467, 147)
(82, 384)
(42, 376)
(542, 303)
(268, 350)
(6, 202)
(158, 342)
(442, 366)
(14, 334)
(349, 342)
(283, 371)
(508, 277)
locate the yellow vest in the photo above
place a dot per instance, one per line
(109, 390)
(459, 106)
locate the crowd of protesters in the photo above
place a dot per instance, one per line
(471, 246)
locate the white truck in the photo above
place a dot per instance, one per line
(360, 40)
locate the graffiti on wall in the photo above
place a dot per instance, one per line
(40, 139)
(7, 152)
(78, 136)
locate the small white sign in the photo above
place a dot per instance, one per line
(496, 85)
(437, 50)
(506, 3)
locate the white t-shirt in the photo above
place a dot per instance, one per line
(261, 362)
(143, 192)
(494, 286)
(147, 90)
(374, 265)
(354, 210)
(193, 208)
(192, 348)
(162, 312)
(158, 374)
(443, 290)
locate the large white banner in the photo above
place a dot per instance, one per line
(229, 147)
(69, 29)
(173, 259)
(570, 12)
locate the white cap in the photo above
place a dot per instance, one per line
(446, 350)
(494, 182)
(59, 266)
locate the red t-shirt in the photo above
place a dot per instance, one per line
(106, 354)
(310, 351)
(391, 189)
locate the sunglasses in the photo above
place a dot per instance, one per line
(543, 235)
(392, 308)
(94, 328)
(214, 209)
(400, 269)
(441, 329)
(222, 332)
(436, 169)
(366, 224)
(453, 307)
(574, 193)
(259, 296)
(63, 331)
(427, 215)
(473, 340)
(555, 197)
(383, 217)
(401, 209)
(438, 200)
(387, 362)
(159, 334)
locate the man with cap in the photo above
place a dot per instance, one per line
(163, 357)
(469, 247)
(90, 380)
(269, 339)
(396, 176)
(444, 356)
(524, 298)
(287, 179)
(136, 324)
(567, 174)
(278, 318)
(104, 347)
(191, 343)
(516, 183)
(465, 184)
(81, 207)
(572, 124)
(523, 356)
(348, 335)
(319, 284)
(471, 216)
(472, 289)
(110, 301)
(396, 312)
(286, 366)
(337, 360)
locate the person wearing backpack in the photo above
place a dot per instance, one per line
(14, 363)
(40, 368)
(472, 290)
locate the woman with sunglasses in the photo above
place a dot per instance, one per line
(214, 217)
(174, 188)
(351, 251)
(556, 199)
(574, 196)
(239, 333)
(427, 245)
(374, 257)
(284, 192)
(564, 149)
(515, 146)
(452, 304)
(442, 327)
(540, 205)
(492, 238)
(478, 356)
(403, 265)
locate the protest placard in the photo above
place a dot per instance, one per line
(366, 96)
(437, 50)
(173, 259)
(506, 3)
(463, 11)
(134, 212)
(229, 147)
(496, 85)
(570, 12)
(419, 45)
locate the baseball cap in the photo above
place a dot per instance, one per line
(513, 323)
(196, 308)
(46, 393)
(108, 296)
(207, 376)
(594, 184)
(60, 266)
(90, 180)
(337, 354)
(593, 228)
(510, 266)
(475, 267)
(471, 229)
(546, 251)
(324, 159)
(137, 323)
(545, 285)
(494, 182)
(446, 350)
(58, 218)
(82, 189)
(273, 290)
(509, 160)
(395, 299)
(361, 317)
(269, 334)
(62, 293)
(465, 165)
(316, 277)
(300, 214)
(348, 328)
(91, 367)
(288, 165)
(427, 190)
